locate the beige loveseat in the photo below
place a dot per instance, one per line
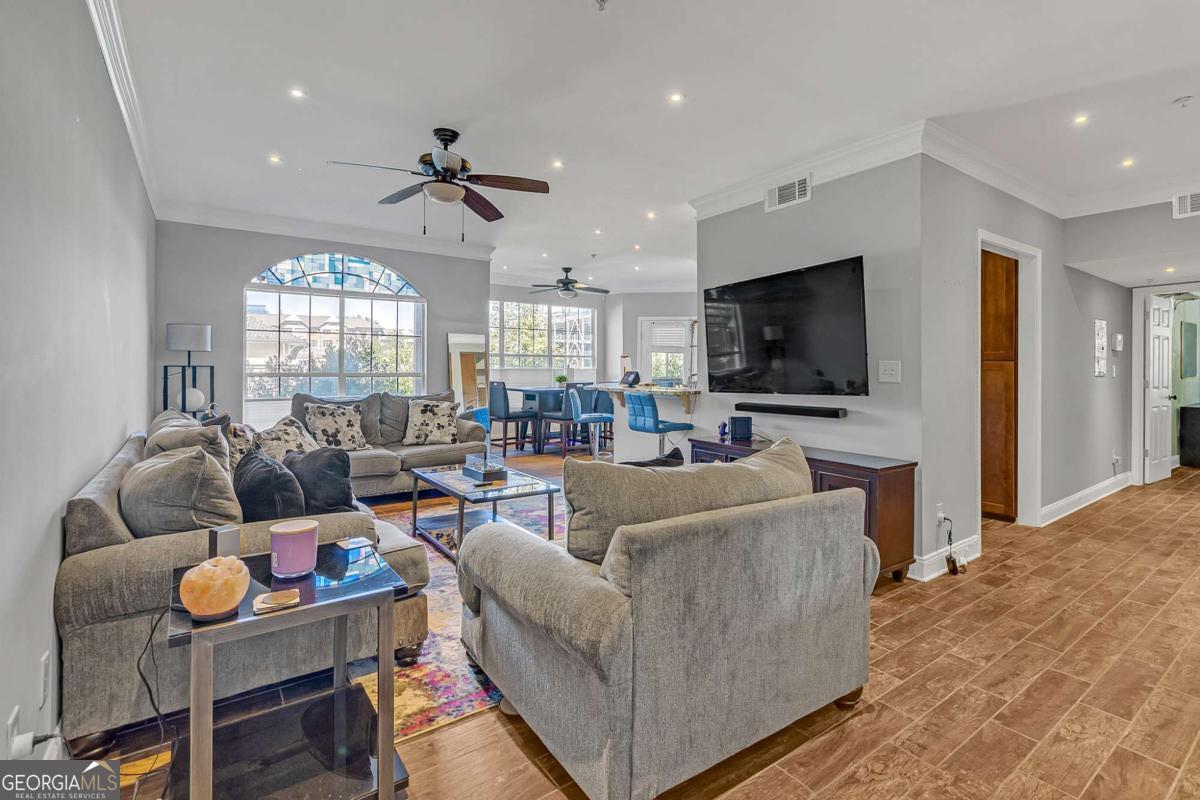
(111, 585)
(386, 467)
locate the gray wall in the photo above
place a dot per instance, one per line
(1083, 418)
(875, 214)
(75, 312)
(202, 272)
(1130, 232)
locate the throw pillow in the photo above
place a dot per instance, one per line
(285, 436)
(169, 418)
(176, 491)
(671, 459)
(369, 406)
(266, 489)
(602, 497)
(431, 422)
(218, 421)
(240, 438)
(324, 477)
(173, 437)
(393, 415)
(336, 425)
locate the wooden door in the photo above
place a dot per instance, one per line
(998, 385)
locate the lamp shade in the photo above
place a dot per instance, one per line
(190, 336)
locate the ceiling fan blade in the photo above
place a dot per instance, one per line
(544, 285)
(593, 289)
(510, 183)
(403, 194)
(375, 166)
(541, 291)
(481, 205)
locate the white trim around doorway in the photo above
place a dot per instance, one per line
(1029, 373)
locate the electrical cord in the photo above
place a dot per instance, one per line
(153, 693)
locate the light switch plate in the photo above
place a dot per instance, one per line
(889, 371)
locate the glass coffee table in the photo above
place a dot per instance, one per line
(445, 532)
(325, 746)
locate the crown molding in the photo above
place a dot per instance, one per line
(170, 211)
(858, 157)
(106, 19)
(969, 159)
(1147, 194)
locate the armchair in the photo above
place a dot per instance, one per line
(686, 645)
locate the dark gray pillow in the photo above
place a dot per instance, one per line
(173, 437)
(324, 477)
(168, 418)
(368, 409)
(266, 489)
(393, 414)
(179, 490)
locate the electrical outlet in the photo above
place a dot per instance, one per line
(1112, 369)
(1116, 457)
(889, 371)
(941, 515)
(45, 694)
(11, 729)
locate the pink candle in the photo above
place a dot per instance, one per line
(294, 548)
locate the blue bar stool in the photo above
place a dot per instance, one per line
(558, 411)
(587, 419)
(643, 418)
(603, 404)
(500, 412)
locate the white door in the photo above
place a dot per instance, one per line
(1158, 388)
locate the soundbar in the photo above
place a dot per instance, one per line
(797, 411)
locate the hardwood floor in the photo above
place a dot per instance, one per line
(1064, 663)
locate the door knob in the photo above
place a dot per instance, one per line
(1173, 397)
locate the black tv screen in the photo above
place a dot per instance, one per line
(797, 332)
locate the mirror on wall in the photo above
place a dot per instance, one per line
(469, 369)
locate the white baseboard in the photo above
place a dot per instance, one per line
(1068, 505)
(929, 567)
(1174, 462)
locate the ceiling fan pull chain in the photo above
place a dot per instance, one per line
(463, 224)
(424, 207)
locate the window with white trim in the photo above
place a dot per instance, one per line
(666, 352)
(538, 336)
(331, 325)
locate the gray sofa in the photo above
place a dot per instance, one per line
(111, 585)
(386, 468)
(695, 636)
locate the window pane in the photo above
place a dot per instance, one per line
(384, 354)
(541, 342)
(383, 316)
(407, 355)
(494, 314)
(293, 352)
(408, 385)
(358, 352)
(411, 319)
(325, 352)
(384, 385)
(358, 387)
(262, 351)
(261, 388)
(325, 387)
(326, 314)
(291, 386)
(262, 310)
(356, 315)
(512, 340)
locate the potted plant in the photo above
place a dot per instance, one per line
(561, 380)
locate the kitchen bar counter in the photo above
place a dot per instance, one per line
(687, 396)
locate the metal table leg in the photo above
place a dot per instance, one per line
(550, 516)
(414, 507)
(493, 511)
(339, 651)
(385, 680)
(462, 506)
(200, 748)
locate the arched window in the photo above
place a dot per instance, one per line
(331, 325)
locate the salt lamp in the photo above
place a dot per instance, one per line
(212, 590)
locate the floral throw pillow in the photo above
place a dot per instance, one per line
(336, 426)
(241, 441)
(286, 436)
(431, 422)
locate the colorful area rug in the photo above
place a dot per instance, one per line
(442, 687)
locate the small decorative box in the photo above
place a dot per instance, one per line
(485, 468)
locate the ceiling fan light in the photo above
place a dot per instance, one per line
(568, 294)
(444, 192)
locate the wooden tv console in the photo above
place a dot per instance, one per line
(888, 482)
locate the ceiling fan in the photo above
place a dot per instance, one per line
(448, 170)
(566, 286)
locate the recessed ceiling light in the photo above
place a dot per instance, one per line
(636, 268)
(1081, 119)
(1168, 269)
(675, 98)
(505, 266)
(545, 255)
(296, 93)
(275, 158)
(1127, 163)
(557, 164)
(590, 278)
(597, 231)
(637, 247)
(650, 215)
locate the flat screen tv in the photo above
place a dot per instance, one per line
(797, 332)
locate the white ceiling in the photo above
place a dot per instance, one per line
(1146, 270)
(767, 82)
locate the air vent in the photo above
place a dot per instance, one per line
(787, 194)
(1187, 205)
